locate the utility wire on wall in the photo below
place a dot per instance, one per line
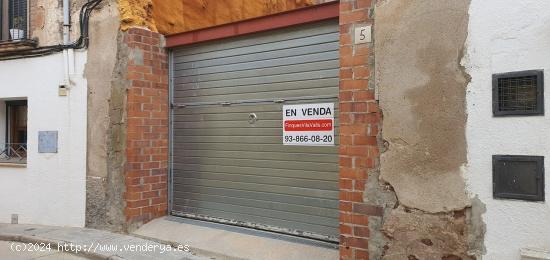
(80, 43)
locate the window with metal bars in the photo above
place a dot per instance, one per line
(13, 122)
(14, 20)
(518, 93)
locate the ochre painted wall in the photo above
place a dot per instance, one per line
(173, 16)
(137, 13)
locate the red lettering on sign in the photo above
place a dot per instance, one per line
(309, 125)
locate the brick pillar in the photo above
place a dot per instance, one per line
(359, 120)
(146, 172)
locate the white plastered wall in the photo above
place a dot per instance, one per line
(504, 36)
(51, 190)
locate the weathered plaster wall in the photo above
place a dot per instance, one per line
(422, 92)
(46, 21)
(105, 183)
(175, 16)
(503, 36)
(422, 89)
(51, 189)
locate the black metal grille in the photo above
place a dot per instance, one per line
(518, 93)
(18, 19)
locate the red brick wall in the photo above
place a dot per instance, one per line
(147, 136)
(359, 117)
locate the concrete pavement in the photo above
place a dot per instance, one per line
(158, 239)
(44, 242)
(231, 243)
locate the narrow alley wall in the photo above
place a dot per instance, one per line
(422, 89)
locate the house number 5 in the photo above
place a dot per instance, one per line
(363, 34)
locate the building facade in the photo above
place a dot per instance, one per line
(43, 99)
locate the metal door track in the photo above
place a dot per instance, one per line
(260, 227)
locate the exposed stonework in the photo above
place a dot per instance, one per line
(418, 235)
(382, 195)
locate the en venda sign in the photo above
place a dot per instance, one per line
(309, 124)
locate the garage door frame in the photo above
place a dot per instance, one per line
(312, 14)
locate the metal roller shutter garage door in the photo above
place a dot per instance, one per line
(225, 168)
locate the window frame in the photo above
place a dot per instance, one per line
(4, 20)
(540, 93)
(15, 146)
(539, 160)
(9, 118)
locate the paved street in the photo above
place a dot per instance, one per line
(84, 242)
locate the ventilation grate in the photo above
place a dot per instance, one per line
(518, 93)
